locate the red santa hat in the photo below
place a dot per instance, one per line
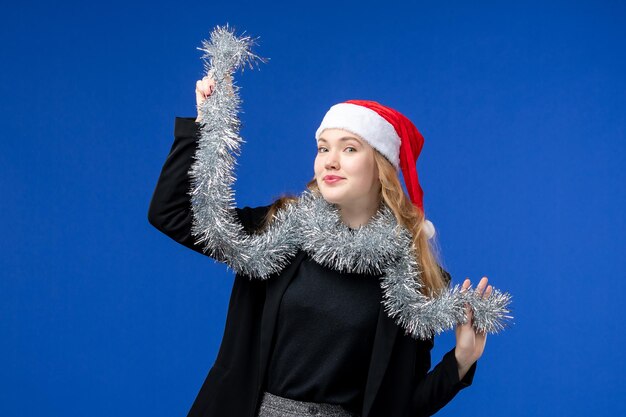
(390, 133)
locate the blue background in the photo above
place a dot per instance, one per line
(523, 111)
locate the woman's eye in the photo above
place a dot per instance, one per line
(323, 149)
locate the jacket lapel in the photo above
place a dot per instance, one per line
(386, 332)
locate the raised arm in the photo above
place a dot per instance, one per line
(214, 225)
(170, 206)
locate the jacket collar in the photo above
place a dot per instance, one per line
(386, 331)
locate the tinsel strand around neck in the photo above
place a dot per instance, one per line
(311, 224)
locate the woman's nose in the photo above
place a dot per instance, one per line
(331, 162)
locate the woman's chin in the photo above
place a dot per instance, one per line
(332, 198)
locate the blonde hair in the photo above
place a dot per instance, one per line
(406, 214)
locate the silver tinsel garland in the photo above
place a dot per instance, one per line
(311, 224)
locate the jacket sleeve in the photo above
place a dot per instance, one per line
(436, 388)
(170, 208)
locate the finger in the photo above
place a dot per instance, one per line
(205, 87)
(199, 94)
(200, 90)
(470, 315)
(488, 291)
(466, 284)
(209, 88)
(480, 288)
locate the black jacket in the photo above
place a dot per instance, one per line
(398, 382)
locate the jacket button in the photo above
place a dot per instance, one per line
(313, 409)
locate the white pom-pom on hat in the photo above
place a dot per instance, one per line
(429, 229)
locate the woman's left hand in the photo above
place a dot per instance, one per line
(470, 344)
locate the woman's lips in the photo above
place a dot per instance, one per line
(331, 179)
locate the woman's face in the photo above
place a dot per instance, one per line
(345, 170)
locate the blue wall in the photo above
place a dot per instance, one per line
(523, 111)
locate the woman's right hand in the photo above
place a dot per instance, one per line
(204, 88)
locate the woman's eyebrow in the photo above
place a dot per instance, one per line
(343, 139)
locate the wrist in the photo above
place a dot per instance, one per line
(464, 361)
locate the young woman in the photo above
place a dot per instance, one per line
(337, 294)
